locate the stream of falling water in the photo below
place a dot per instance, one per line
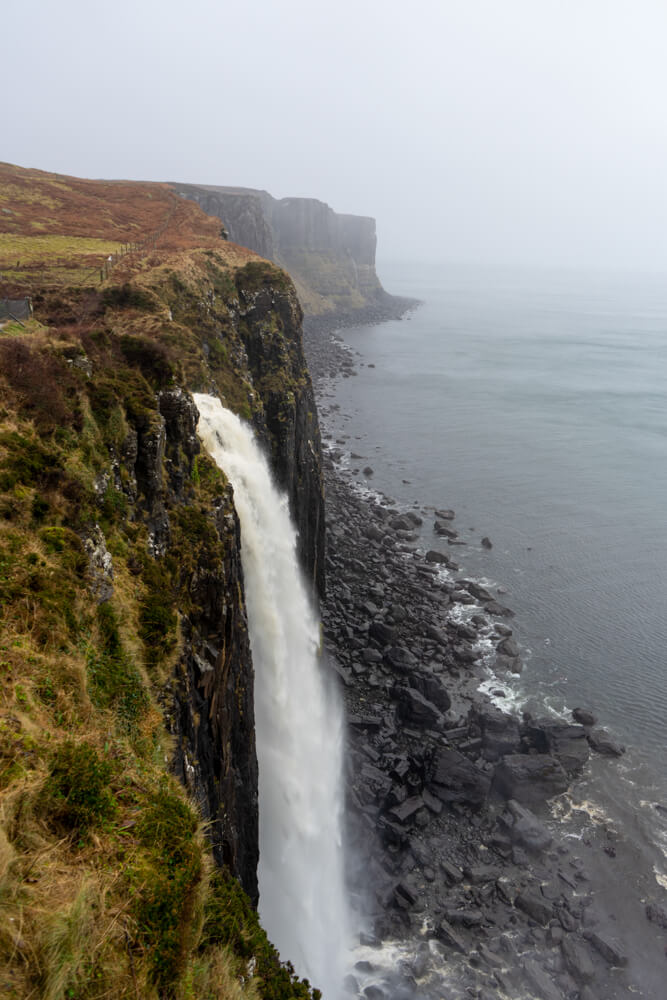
(299, 729)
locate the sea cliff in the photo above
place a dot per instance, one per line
(329, 256)
(125, 654)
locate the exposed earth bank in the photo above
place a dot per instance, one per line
(456, 854)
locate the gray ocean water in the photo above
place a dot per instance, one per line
(534, 404)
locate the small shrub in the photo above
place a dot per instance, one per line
(157, 618)
(40, 508)
(128, 296)
(38, 380)
(28, 462)
(149, 356)
(113, 504)
(114, 681)
(257, 273)
(77, 788)
(164, 908)
(67, 544)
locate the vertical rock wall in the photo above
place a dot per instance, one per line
(330, 257)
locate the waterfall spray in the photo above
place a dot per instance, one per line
(298, 720)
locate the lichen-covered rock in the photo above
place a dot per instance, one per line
(100, 564)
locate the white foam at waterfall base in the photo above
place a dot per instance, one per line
(298, 720)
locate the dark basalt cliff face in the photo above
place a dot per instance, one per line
(330, 257)
(270, 323)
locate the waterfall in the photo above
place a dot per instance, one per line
(298, 720)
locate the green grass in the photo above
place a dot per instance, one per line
(34, 249)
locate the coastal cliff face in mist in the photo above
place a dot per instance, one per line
(330, 257)
(125, 651)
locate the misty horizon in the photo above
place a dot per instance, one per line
(526, 134)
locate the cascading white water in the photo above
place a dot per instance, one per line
(298, 720)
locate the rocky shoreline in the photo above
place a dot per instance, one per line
(455, 853)
(318, 330)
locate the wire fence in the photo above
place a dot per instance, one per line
(16, 309)
(98, 273)
(148, 244)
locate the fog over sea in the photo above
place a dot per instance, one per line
(534, 404)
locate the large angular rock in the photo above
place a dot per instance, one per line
(432, 689)
(608, 947)
(578, 959)
(401, 660)
(415, 709)
(524, 828)
(407, 809)
(454, 778)
(535, 906)
(437, 558)
(657, 914)
(444, 530)
(566, 742)
(446, 933)
(500, 733)
(602, 742)
(531, 779)
(381, 632)
(540, 981)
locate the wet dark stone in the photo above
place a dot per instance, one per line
(399, 659)
(535, 906)
(494, 608)
(610, 949)
(603, 743)
(381, 632)
(541, 981)
(578, 959)
(434, 691)
(657, 914)
(414, 708)
(446, 933)
(407, 809)
(569, 744)
(509, 647)
(529, 778)
(477, 590)
(405, 895)
(374, 993)
(500, 732)
(583, 716)
(432, 556)
(464, 917)
(453, 874)
(364, 966)
(524, 828)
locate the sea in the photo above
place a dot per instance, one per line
(533, 403)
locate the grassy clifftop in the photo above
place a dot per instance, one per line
(112, 524)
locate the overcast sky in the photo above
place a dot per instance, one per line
(492, 130)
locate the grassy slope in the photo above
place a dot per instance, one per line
(106, 885)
